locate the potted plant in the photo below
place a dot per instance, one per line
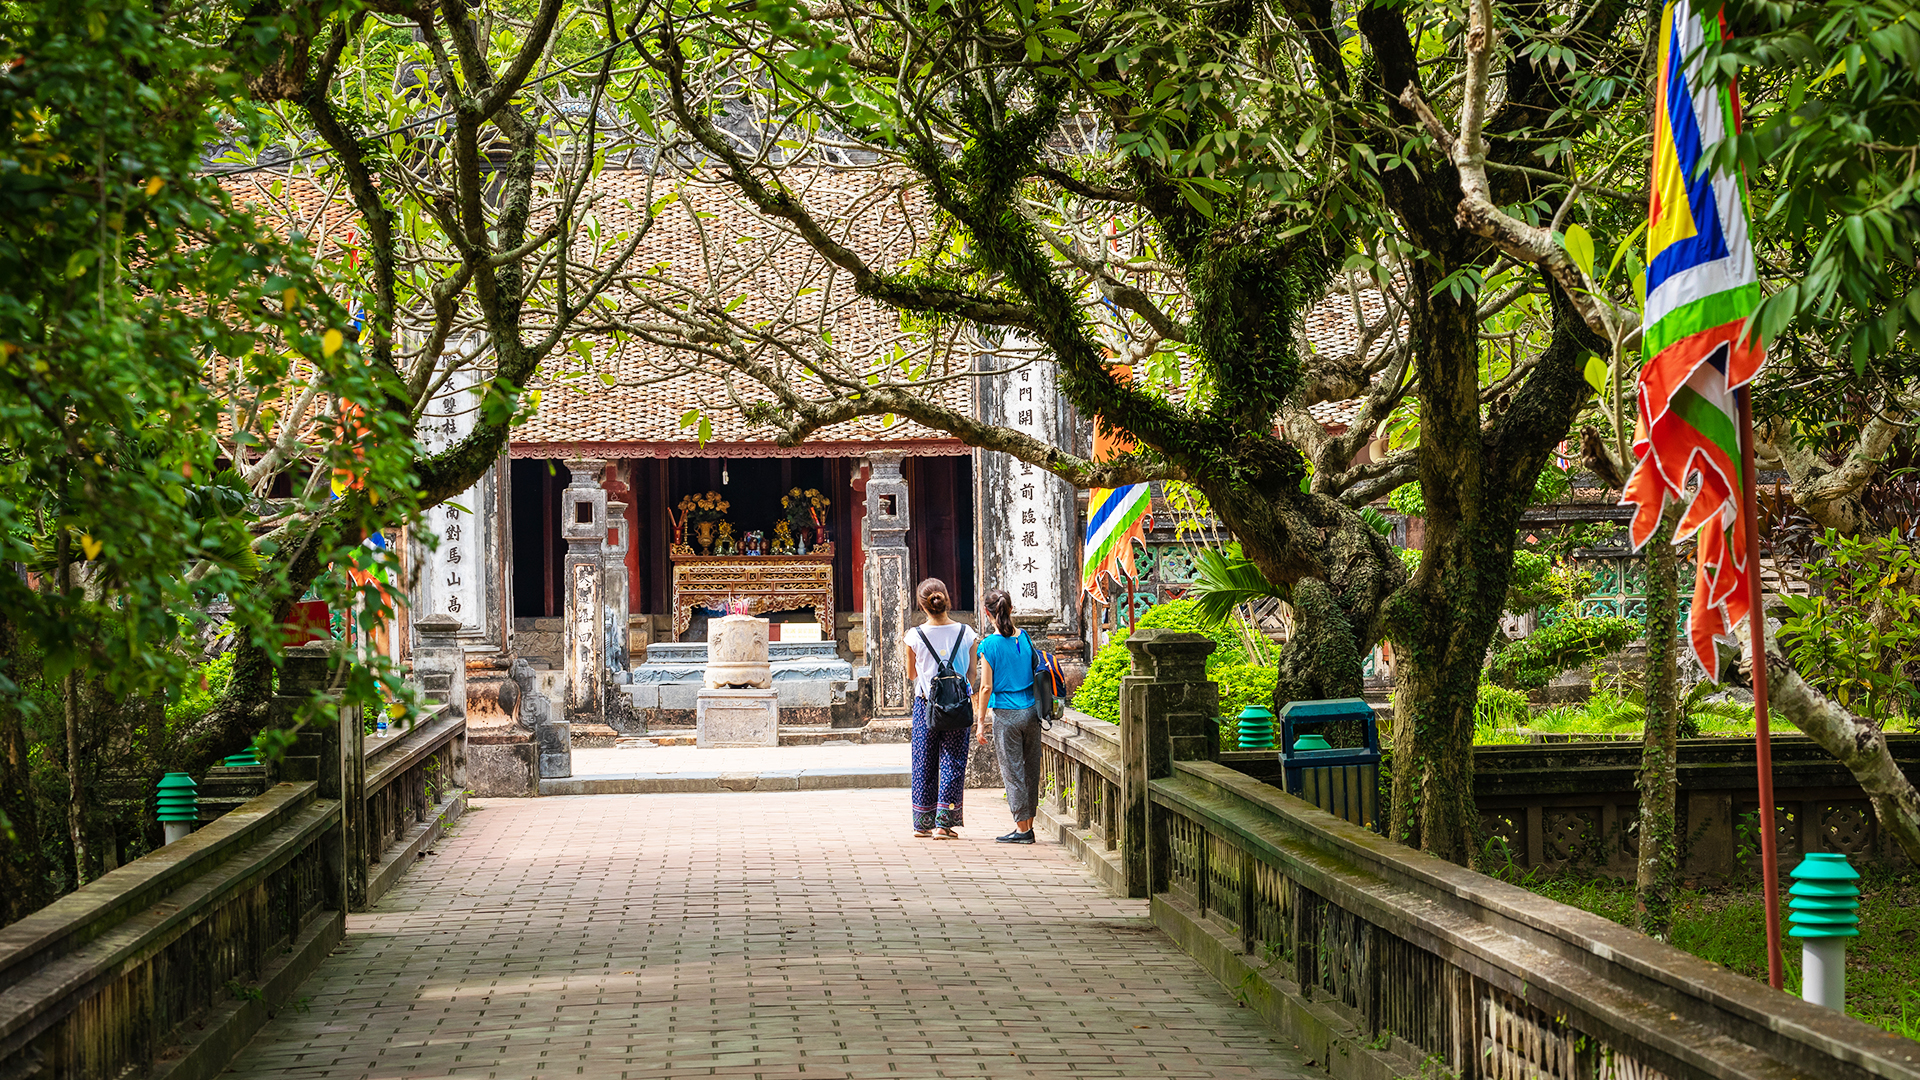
(806, 510)
(704, 512)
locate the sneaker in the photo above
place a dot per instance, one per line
(1015, 838)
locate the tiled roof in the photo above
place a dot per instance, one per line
(639, 391)
(1332, 328)
(642, 390)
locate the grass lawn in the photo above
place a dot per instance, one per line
(1728, 927)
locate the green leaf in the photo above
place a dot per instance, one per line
(1625, 246)
(1579, 248)
(1596, 373)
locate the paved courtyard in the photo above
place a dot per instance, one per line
(780, 935)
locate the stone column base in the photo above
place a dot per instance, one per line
(737, 718)
(501, 767)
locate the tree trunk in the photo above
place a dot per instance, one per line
(70, 706)
(76, 784)
(1658, 877)
(1403, 803)
(1322, 657)
(23, 875)
(1440, 644)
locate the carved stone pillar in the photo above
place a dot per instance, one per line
(1026, 517)
(1167, 711)
(888, 585)
(618, 542)
(583, 522)
(465, 576)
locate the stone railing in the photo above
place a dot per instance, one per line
(1383, 962)
(1081, 764)
(169, 964)
(1572, 806)
(402, 790)
(415, 786)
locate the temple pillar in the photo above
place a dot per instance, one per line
(887, 585)
(465, 576)
(1026, 517)
(583, 522)
(615, 655)
(619, 540)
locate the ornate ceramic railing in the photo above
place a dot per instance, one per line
(1383, 962)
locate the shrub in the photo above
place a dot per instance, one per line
(1099, 695)
(1529, 663)
(196, 698)
(1242, 685)
(1498, 709)
(1858, 639)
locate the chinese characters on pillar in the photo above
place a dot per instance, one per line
(450, 579)
(1030, 546)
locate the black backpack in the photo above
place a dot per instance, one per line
(1049, 683)
(947, 698)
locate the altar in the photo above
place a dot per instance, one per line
(764, 582)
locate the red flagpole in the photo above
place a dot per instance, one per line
(1762, 738)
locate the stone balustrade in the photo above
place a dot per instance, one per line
(168, 965)
(1380, 961)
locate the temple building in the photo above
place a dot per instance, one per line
(639, 499)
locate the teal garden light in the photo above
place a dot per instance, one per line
(1255, 731)
(1824, 908)
(178, 803)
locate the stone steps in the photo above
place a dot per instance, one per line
(790, 735)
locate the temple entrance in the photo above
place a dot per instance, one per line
(941, 542)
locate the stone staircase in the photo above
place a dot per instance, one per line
(790, 735)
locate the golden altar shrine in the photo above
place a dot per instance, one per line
(765, 582)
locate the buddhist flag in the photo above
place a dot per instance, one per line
(1701, 286)
(1114, 518)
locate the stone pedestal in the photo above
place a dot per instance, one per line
(737, 718)
(555, 742)
(439, 663)
(737, 655)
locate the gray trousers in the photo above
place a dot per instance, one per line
(1016, 735)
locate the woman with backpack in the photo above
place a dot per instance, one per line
(1007, 660)
(940, 664)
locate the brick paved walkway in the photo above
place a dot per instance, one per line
(779, 935)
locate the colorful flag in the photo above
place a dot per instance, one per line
(1114, 520)
(1701, 286)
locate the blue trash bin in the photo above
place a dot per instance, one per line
(1345, 782)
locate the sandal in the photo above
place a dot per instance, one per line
(945, 834)
(921, 833)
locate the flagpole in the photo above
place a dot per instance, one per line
(1762, 737)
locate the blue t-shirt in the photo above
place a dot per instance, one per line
(1012, 660)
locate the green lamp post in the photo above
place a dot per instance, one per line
(1824, 912)
(178, 804)
(1256, 728)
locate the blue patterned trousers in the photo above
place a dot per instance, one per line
(939, 771)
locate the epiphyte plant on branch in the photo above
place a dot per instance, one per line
(463, 144)
(1151, 201)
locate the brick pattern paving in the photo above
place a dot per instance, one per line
(801, 935)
